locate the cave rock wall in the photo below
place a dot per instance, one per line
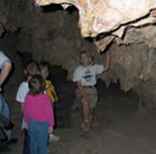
(54, 36)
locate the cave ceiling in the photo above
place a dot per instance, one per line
(112, 17)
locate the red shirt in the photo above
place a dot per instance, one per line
(38, 108)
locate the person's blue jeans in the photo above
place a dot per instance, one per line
(26, 146)
(38, 133)
(4, 109)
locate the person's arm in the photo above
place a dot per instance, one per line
(76, 80)
(50, 112)
(26, 110)
(5, 72)
(108, 62)
(21, 95)
(22, 107)
(78, 88)
(77, 77)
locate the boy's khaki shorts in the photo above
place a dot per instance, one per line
(90, 94)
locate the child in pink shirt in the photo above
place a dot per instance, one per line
(38, 114)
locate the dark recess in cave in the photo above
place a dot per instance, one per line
(51, 8)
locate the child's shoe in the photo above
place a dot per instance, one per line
(53, 138)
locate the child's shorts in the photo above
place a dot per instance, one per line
(90, 94)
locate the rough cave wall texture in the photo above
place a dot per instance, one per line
(99, 16)
(50, 34)
(55, 36)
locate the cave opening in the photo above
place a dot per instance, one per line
(52, 34)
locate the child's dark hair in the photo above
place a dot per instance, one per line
(44, 64)
(36, 85)
(29, 62)
(31, 68)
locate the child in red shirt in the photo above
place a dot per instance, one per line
(38, 114)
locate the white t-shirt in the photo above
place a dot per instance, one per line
(3, 59)
(86, 75)
(22, 92)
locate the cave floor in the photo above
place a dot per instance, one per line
(121, 130)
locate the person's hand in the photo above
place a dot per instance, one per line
(108, 62)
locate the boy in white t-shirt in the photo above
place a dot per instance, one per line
(85, 77)
(30, 70)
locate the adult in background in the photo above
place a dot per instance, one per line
(5, 69)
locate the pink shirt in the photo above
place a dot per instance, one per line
(39, 108)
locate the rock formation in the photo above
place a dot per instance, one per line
(124, 29)
(98, 16)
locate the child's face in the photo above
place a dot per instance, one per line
(85, 59)
(44, 73)
(32, 69)
(36, 85)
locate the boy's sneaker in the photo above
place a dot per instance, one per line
(53, 138)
